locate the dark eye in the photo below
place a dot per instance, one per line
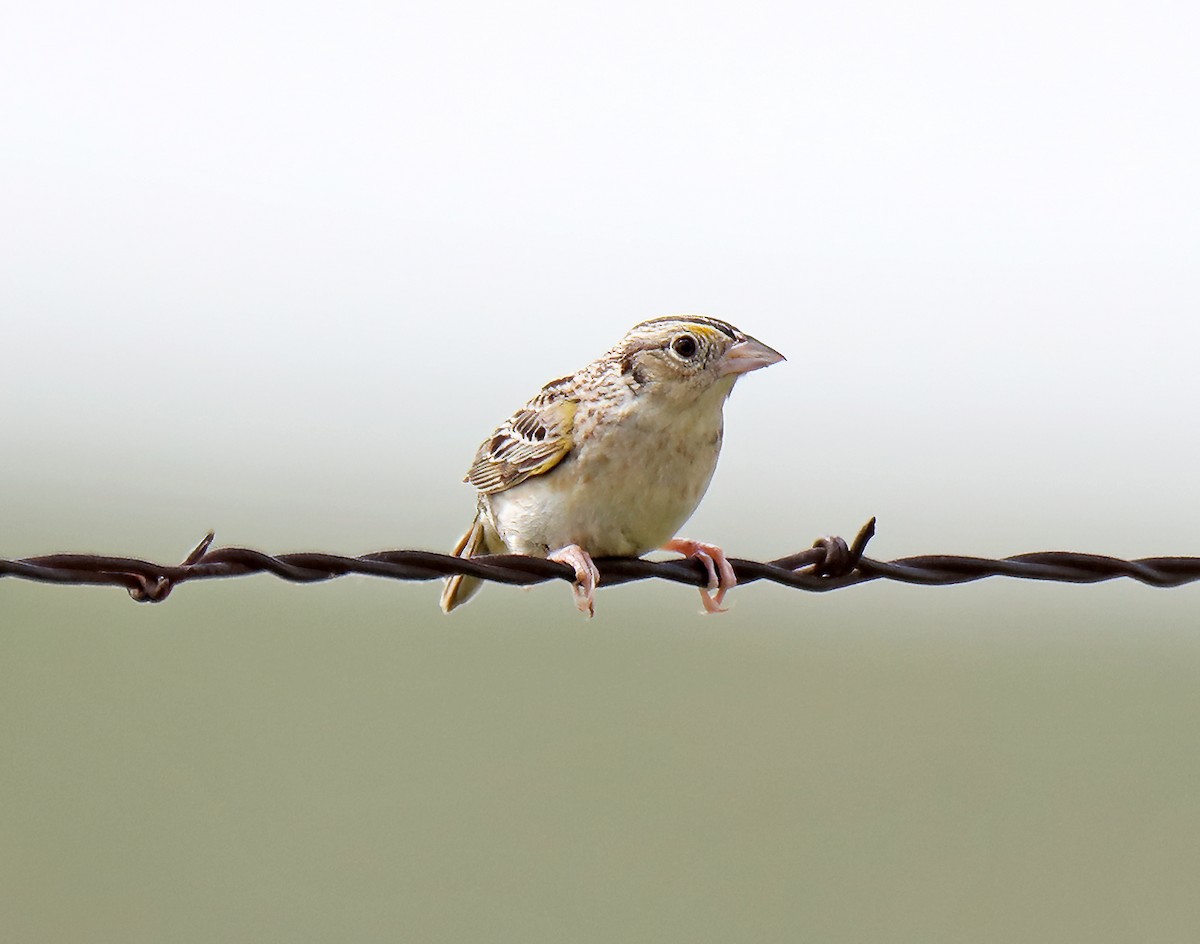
(684, 346)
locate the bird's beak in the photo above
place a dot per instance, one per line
(748, 355)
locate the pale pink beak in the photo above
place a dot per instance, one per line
(748, 355)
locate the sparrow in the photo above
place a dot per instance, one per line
(613, 459)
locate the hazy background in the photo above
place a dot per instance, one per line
(276, 269)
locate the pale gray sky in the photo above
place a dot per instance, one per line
(340, 244)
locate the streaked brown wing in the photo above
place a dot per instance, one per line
(532, 442)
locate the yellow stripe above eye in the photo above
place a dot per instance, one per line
(696, 322)
(702, 330)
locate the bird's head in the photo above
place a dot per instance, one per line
(690, 354)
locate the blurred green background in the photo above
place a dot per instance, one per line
(277, 271)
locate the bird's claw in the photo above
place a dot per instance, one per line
(721, 577)
(587, 575)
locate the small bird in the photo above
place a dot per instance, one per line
(613, 459)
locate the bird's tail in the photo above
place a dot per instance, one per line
(460, 588)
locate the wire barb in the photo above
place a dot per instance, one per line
(830, 564)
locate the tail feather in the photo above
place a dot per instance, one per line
(460, 588)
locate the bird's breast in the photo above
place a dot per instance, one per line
(632, 479)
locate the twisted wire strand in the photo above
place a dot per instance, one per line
(830, 564)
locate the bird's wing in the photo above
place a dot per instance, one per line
(532, 442)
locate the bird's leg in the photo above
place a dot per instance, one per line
(714, 561)
(586, 575)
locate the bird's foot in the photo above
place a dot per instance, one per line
(720, 572)
(586, 575)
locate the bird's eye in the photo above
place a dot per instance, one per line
(684, 346)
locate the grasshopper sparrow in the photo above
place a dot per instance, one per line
(612, 460)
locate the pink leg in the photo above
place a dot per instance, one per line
(715, 563)
(586, 575)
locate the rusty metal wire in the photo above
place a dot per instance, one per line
(829, 564)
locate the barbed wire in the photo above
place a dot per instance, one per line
(830, 564)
